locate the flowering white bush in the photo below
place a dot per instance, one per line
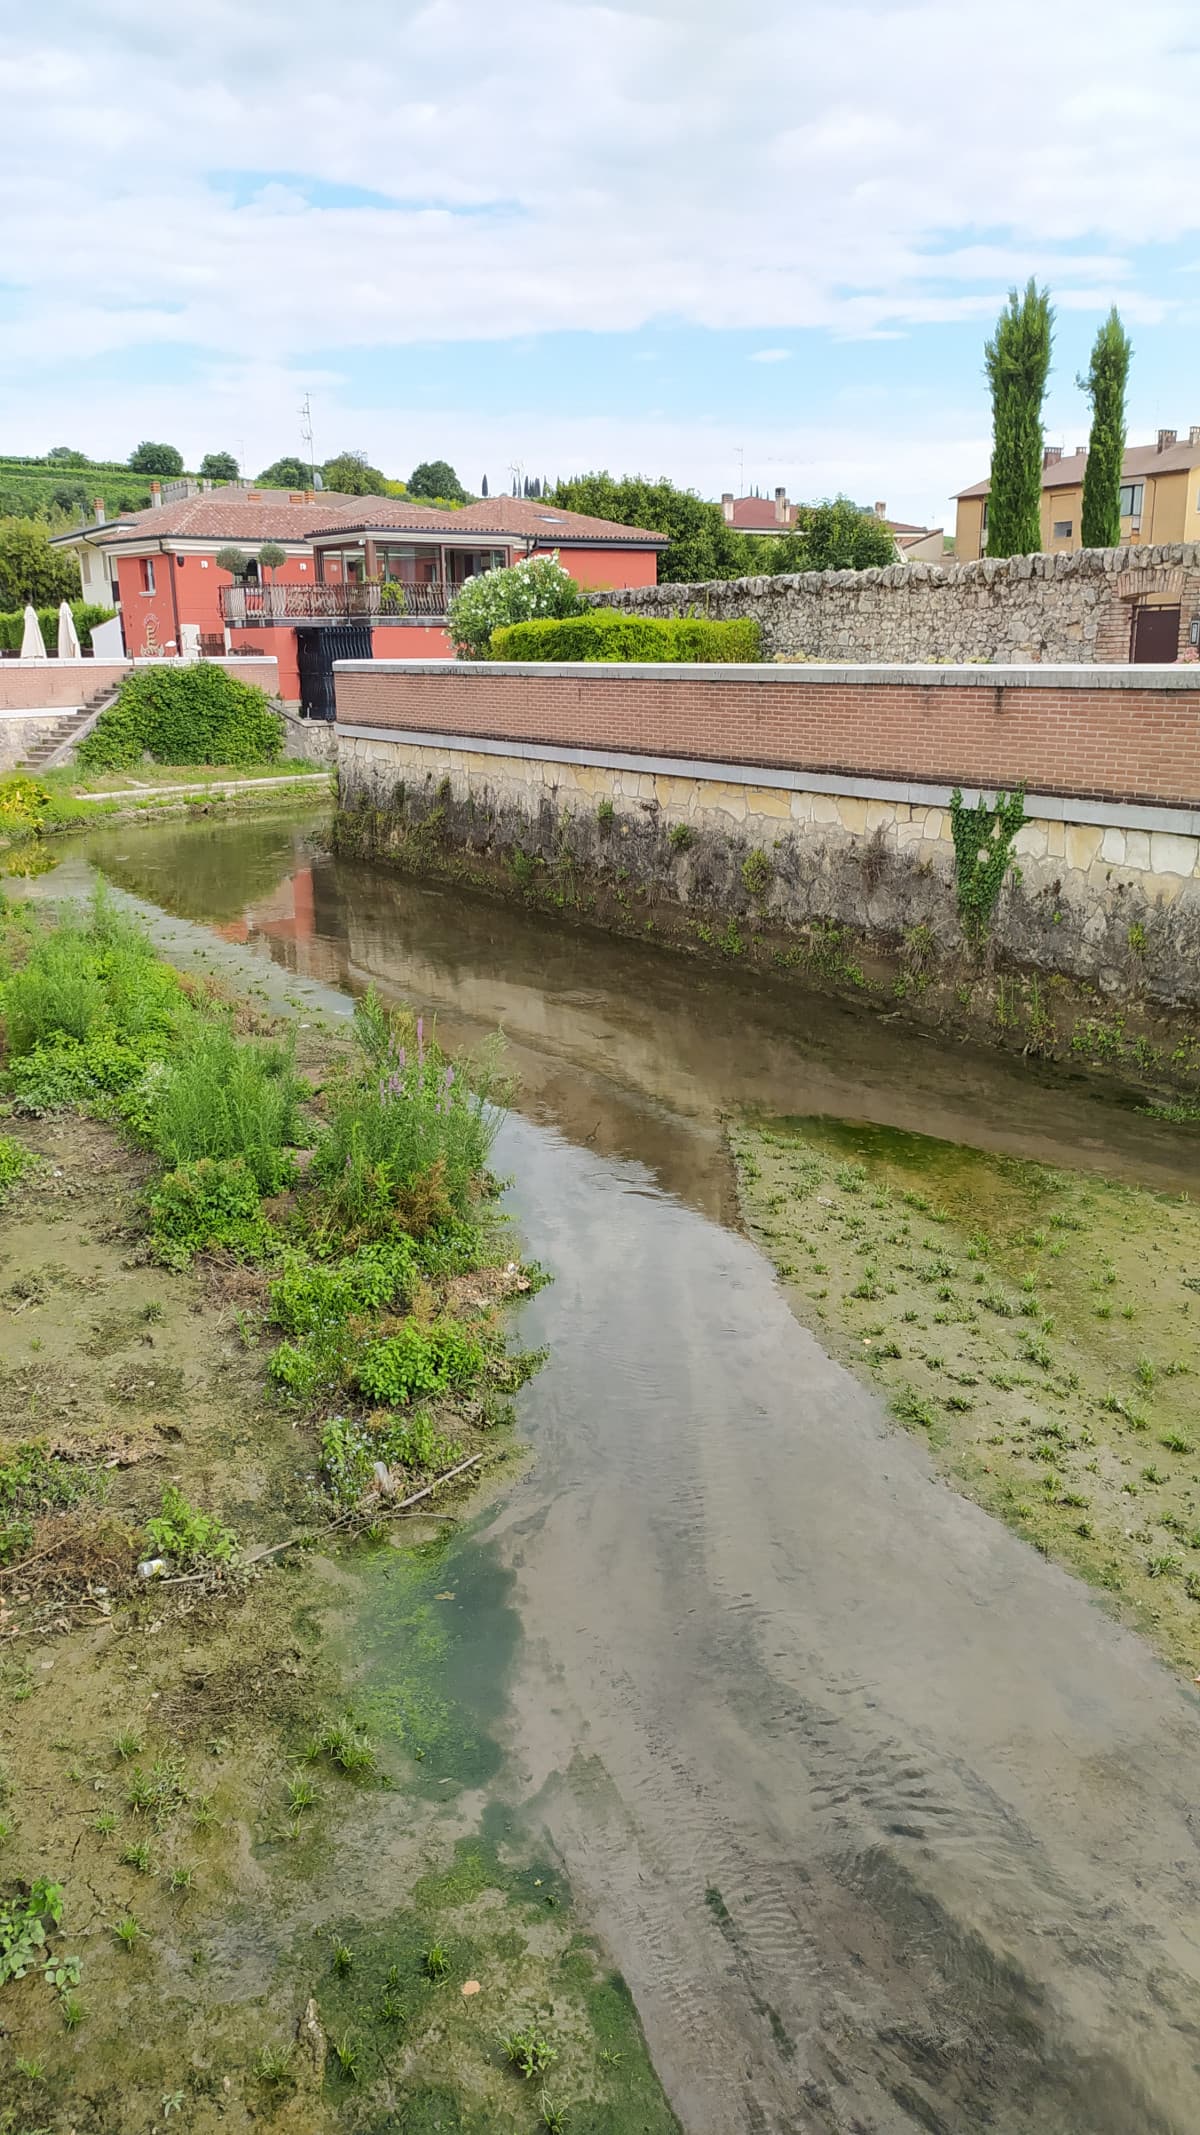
(539, 586)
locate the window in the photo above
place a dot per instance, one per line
(984, 520)
(1131, 499)
(147, 570)
(1063, 529)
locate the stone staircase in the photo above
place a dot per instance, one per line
(57, 738)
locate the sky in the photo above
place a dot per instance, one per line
(739, 247)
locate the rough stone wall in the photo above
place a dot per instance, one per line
(1073, 606)
(1115, 909)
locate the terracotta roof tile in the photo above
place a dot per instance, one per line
(756, 515)
(225, 515)
(504, 516)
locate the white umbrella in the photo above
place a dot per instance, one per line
(33, 644)
(68, 636)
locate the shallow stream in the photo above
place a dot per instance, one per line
(888, 1826)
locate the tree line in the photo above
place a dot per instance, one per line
(1017, 362)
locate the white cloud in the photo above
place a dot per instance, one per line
(771, 355)
(859, 168)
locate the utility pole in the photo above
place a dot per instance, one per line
(306, 432)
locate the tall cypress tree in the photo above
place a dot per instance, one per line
(1105, 383)
(483, 492)
(1018, 360)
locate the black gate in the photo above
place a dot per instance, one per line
(316, 651)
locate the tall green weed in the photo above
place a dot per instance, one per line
(223, 1096)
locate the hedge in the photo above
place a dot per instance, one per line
(85, 612)
(603, 634)
(196, 714)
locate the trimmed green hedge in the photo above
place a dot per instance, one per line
(603, 634)
(196, 714)
(85, 612)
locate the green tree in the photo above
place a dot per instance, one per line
(270, 556)
(30, 570)
(837, 535)
(1017, 360)
(700, 544)
(149, 458)
(233, 560)
(1105, 384)
(351, 474)
(436, 478)
(219, 467)
(66, 456)
(483, 492)
(289, 473)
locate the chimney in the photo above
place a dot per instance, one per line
(98, 508)
(782, 507)
(880, 509)
(156, 492)
(727, 506)
(1166, 438)
(1194, 434)
(1051, 455)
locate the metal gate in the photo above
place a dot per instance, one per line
(316, 651)
(1155, 634)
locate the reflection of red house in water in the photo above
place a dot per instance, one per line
(361, 576)
(288, 914)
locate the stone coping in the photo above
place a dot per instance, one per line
(1178, 677)
(39, 711)
(1047, 807)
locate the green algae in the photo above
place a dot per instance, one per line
(1040, 1329)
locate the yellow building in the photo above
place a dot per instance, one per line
(1160, 497)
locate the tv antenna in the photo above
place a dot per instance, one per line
(306, 432)
(741, 460)
(517, 471)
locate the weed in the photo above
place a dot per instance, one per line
(419, 1360)
(272, 2065)
(301, 1794)
(343, 1959)
(33, 2071)
(680, 836)
(983, 850)
(72, 2011)
(1145, 1372)
(1164, 1566)
(181, 1881)
(346, 1746)
(911, 1408)
(203, 1813)
(345, 2052)
(605, 811)
(138, 1857)
(127, 1745)
(129, 1932)
(190, 1538)
(1154, 1475)
(223, 1096)
(436, 1963)
(208, 1205)
(551, 2115)
(758, 873)
(528, 2052)
(34, 1480)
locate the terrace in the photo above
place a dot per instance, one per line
(380, 601)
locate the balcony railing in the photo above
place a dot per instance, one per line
(383, 601)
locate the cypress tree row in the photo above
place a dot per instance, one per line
(1105, 383)
(1018, 360)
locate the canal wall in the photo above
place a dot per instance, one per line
(1076, 605)
(808, 825)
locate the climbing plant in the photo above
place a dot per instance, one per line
(983, 849)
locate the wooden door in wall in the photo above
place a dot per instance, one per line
(1155, 634)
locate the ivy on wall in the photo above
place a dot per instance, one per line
(983, 850)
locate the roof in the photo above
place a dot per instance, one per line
(756, 515)
(525, 517)
(1139, 461)
(219, 515)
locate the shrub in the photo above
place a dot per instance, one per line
(316, 1303)
(407, 1141)
(15, 1159)
(210, 1204)
(419, 1360)
(195, 714)
(221, 1096)
(186, 1535)
(538, 587)
(83, 981)
(85, 612)
(604, 634)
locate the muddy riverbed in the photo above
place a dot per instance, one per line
(886, 1822)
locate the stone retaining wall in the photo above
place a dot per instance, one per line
(1072, 606)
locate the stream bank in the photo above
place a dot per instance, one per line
(282, 1901)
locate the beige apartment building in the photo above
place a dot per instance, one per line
(1160, 497)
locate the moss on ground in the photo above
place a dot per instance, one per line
(1040, 1330)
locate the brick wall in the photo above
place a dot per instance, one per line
(37, 685)
(1114, 735)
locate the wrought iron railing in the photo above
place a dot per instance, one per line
(384, 601)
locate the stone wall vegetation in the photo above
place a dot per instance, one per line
(1074, 606)
(1091, 948)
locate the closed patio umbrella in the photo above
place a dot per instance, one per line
(33, 644)
(68, 636)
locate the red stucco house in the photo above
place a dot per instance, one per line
(362, 576)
